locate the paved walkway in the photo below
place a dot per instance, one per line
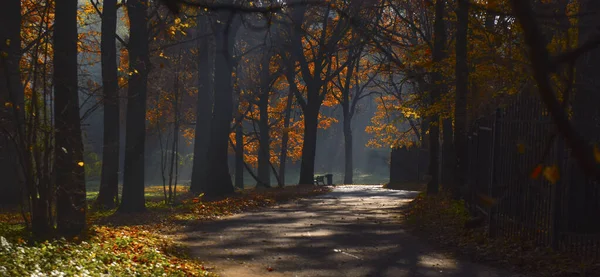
(352, 231)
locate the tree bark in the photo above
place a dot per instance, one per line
(264, 165)
(219, 180)
(133, 199)
(309, 145)
(109, 181)
(462, 90)
(239, 156)
(434, 131)
(448, 154)
(69, 168)
(348, 162)
(11, 91)
(293, 90)
(204, 108)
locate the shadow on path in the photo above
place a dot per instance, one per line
(352, 231)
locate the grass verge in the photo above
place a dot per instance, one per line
(131, 245)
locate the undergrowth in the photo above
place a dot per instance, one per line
(442, 220)
(129, 245)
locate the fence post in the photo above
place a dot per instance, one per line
(393, 158)
(492, 226)
(473, 184)
(556, 206)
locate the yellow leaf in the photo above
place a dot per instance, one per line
(596, 153)
(551, 174)
(80, 163)
(8, 104)
(521, 148)
(536, 171)
(487, 201)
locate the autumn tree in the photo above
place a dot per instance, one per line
(351, 87)
(316, 67)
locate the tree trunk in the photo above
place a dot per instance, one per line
(285, 138)
(309, 145)
(448, 155)
(135, 137)
(204, 108)
(264, 165)
(69, 168)
(239, 156)
(109, 182)
(11, 91)
(434, 131)
(462, 90)
(348, 165)
(219, 180)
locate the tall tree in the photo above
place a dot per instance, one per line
(351, 86)
(69, 167)
(264, 151)
(316, 72)
(135, 137)
(439, 36)
(293, 89)
(462, 90)
(109, 181)
(204, 105)
(11, 103)
(448, 156)
(218, 177)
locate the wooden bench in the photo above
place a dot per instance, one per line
(321, 179)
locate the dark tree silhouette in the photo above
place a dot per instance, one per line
(218, 177)
(460, 104)
(11, 92)
(264, 152)
(204, 104)
(69, 168)
(439, 34)
(135, 137)
(109, 182)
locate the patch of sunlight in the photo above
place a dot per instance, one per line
(436, 262)
(347, 254)
(311, 233)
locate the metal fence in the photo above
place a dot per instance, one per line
(504, 149)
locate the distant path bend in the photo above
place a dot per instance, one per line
(351, 231)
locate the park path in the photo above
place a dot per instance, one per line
(351, 231)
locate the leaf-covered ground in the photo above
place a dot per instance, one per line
(442, 221)
(130, 245)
